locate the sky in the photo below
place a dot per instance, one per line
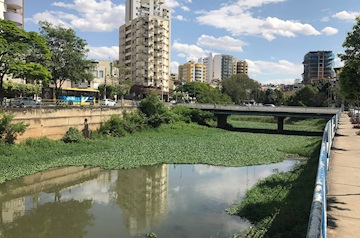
(271, 35)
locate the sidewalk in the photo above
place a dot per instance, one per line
(344, 182)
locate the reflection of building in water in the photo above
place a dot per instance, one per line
(13, 209)
(143, 197)
(13, 193)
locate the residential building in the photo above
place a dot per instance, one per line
(12, 10)
(227, 66)
(242, 67)
(220, 67)
(192, 72)
(318, 65)
(144, 45)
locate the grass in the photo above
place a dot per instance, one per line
(175, 143)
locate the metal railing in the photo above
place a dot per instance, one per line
(317, 226)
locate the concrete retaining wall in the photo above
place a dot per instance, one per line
(53, 122)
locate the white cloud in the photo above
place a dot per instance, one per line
(282, 71)
(325, 19)
(180, 18)
(174, 66)
(222, 43)
(185, 8)
(329, 31)
(345, 15)
(188, 51)
(238, 20)
(103, 53)
(92, 15)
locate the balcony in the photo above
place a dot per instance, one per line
(14, 17)
(14, 4)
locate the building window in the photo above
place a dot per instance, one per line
(101, 74)
(95, 73)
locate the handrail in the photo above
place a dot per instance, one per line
(317, 226)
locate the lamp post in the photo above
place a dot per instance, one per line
(105, 85)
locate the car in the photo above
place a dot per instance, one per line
(108, 102)
(269, 105)
(23, 102)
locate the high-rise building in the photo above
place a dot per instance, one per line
(12, 10)
(145, 45)
(242, 67)
(318, 65)
(192, 72)
(226, 66)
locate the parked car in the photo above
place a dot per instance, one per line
(107, 102)
(23, 102)
(269, 105)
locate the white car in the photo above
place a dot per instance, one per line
(107, 102)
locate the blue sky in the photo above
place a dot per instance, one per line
(272, 35)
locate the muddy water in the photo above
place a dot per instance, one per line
(170, 200)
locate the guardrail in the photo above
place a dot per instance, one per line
(317, 226)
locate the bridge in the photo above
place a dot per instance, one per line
(223, 111)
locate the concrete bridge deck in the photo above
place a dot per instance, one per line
(343, 197)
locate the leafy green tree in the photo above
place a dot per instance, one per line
(22, 54)
(239, 87)
(203, 93)
(306, 96)
(350, 74)
(14, 89)
(8, 130)
(69, 53)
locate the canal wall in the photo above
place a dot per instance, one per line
(54, 122)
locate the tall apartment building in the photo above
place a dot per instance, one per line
(192, 72)
(242, 67)
(227, 66)
(12, 10)
(220, 67)
(145, 45)
(318, 65)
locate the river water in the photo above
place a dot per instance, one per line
(170, 200)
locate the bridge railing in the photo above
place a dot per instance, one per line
(317, 226)
(261, 108)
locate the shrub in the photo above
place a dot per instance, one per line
(151, 105)
(73, 135)
(133, 121)
(192, 115)
(112, 127)
(9, 131)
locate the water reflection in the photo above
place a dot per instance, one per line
(170, 200)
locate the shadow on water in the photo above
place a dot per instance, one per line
(269, 131)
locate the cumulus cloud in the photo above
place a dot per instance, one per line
(238, 19)
(222, 43)
(345, 15)
(174, 66)
(329, 31)
(283, 71)
(91, 15)
(103, 53)
(180, 18)
(190, 52)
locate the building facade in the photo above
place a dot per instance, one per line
(192, 72)
(145, 45)
(12, 10)
(242, 67)
(318, 65)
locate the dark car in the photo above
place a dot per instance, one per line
(23, 102)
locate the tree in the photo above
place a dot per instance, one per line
(306, 96)
(16, 47)
(239, 87)
(69, 53)
(350, 74)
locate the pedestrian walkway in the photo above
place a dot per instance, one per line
(344, 182)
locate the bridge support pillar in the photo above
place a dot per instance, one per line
(280, 124)
(221, 120)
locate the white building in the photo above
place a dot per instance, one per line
(145, 45)
(12, 10)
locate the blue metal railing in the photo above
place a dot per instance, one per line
(317, 226)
